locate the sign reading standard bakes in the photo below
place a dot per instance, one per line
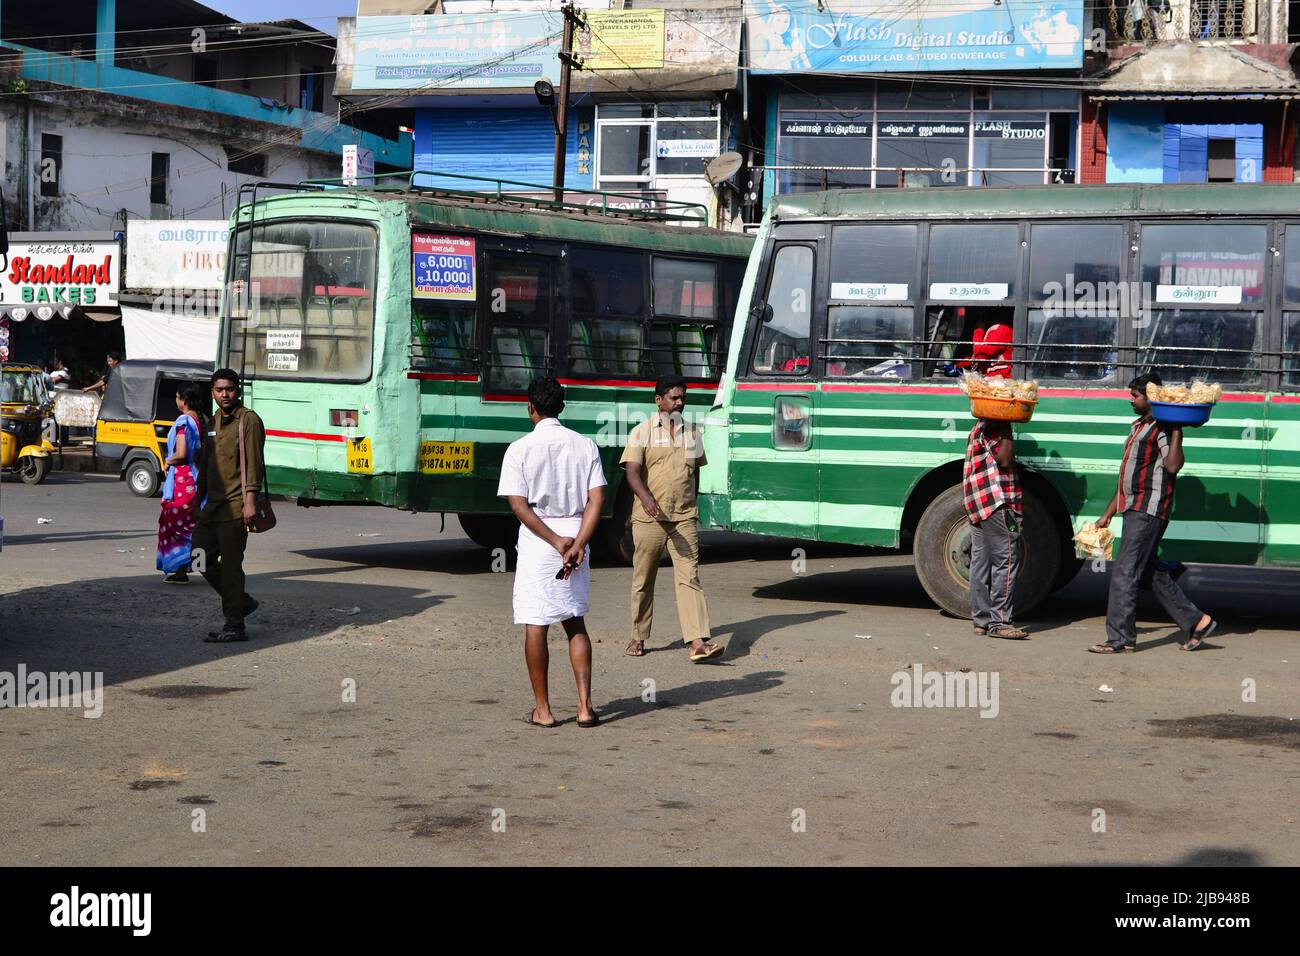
(442, 267)
(62, 273)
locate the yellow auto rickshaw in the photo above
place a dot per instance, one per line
(25, 409)
(138, 410)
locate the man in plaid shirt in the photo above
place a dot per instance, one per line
(1153, 456)
(991, 485)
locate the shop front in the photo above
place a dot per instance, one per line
(58, 299)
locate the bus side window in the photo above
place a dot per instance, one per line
(784, 342)
(521, 297)
(684, 331)
(442, 335)
(607, 292)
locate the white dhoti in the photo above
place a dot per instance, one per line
(539, 597)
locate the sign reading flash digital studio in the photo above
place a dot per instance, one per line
(62, 273)
(874, 36)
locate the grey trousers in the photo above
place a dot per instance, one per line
(1137, 559)
(994, 544)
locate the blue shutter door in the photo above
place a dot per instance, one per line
(515, 144)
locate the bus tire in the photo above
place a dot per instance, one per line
(942, 554)
(491, 531)
(142, 478)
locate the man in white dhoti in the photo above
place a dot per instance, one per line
(555, 484)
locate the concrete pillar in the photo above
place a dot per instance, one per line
(105, 31)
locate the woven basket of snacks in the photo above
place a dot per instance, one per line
(1183, 404)
(1000, 399)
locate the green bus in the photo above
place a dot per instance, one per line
(387, 336)
(839, 419)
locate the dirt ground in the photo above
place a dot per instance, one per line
(788, 749)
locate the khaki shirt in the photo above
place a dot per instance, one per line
(219, 463)
(670, 462)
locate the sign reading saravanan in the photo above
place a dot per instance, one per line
(62, 273)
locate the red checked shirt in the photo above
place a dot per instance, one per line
(1144, 485)
(986, 484)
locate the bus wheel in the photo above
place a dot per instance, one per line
(142, 479)
(32, 470)
(491, 531)
(941, 551)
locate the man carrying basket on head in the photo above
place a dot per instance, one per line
(991, 488)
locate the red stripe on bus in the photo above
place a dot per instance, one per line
(628, 383)
(1284, 399)
(776, 386)
(505, 398)
(897, 389)
(309, 436)
(444, 376)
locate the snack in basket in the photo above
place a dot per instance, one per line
(1198, 393)
(978, 386)
(1094, 542)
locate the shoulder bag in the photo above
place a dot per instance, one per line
(264, 519)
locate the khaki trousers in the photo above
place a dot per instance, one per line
(682, 539)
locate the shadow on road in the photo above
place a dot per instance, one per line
(700, 692)
(744, 634)
(894, 585)
(142, 628)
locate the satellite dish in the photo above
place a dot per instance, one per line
(722, 168)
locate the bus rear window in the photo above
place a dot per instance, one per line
(302, 300)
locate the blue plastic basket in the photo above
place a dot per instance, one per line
(1181, 413)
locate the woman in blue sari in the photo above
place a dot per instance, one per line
(179, 504)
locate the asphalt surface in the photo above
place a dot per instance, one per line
(788, 749)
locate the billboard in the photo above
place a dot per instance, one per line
(62, 273)
(622, 40)
(176, 254)
(875, 36)
(478, 51)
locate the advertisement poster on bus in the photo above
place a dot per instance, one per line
(622, 40)
(852, 36)
(473, 51)
(442, 267)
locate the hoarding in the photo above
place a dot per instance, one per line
(176, 253)
(876, 36)
(622, 40)
(62, 273)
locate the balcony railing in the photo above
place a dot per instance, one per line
(1152, 21)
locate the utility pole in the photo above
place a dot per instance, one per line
(568, 63)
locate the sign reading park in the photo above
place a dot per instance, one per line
(62, 273)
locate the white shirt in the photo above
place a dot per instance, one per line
(552, 468)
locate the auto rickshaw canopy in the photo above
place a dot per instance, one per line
(140, 390)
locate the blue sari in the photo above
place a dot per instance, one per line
(179, 512)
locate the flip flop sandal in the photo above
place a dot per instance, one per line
(709, 651)
(225, 636)
(1108, 649)
(1198, 638)
(638, 653)
(528, 719)
(594, 722)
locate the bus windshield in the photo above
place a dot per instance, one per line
(301, 302)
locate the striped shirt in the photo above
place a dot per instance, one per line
(1144, 485)
(986, 485)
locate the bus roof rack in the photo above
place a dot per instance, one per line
(513, 192)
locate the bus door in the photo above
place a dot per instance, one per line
(773, 481)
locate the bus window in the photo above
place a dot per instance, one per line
(607, 292)
(784, 344)
(520, 294)
(974, 262)
(1204, 263)
(1075, 273)
(1291, 349)
(304, 299)
(684, 290)
(442, 334)
(869, 341)
(1221, 346)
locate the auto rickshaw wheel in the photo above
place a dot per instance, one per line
(32, 470)
(142, 479)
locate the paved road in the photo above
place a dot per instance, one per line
(794, 725)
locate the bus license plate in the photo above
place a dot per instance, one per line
(360, 460)
(446, 457)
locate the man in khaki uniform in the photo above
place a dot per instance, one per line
(662, 459)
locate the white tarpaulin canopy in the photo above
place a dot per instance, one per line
(167, 335)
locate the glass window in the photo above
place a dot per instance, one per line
(930, 149)
(820, 139)
(685, 349)
(977, 261)
(625, 151)
(1079, 347)
(878, 341)
(873, 262)
(685, 288)
(922, 96)
(1062, 258)
(1029, 98)
(1292, 264)
(515, 355)
(1010, 149)
(691, 136)
(733, 277)
(791, 421)
(442, 334)
(302, 299)
(626, 111)
(1291, 349)
(520, 288)
(605, 282)
(1209, 263)
(784, 337)
(605, 345)
(692, 108)
(1181, 344)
